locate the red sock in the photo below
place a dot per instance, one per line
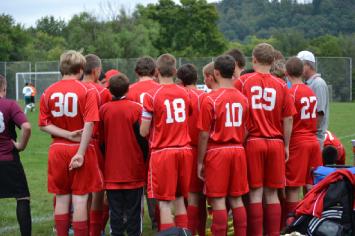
(272, 218)
(105, 216)
(81, 228)
(193, 218)
(291, 207)
(62, 224)
(219, 222)
(255, 219)
(240, 221)
(181, 221)
(201, 227)
(166, 226)
(95, 223)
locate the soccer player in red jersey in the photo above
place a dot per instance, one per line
(267, 147)
(208, 76)
(13, 183)
(239, 62)
(124, 172)
(68, 110)
(305, 152)
(331, 140)
(196, 210)
(92, 73)
(221, 156)
(165, 119)
(145, 70)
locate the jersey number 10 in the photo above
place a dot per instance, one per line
(62, 103)
(236, 109)
(179, 111)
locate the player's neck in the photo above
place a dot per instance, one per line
(71, 77)
(145, 78)
(295, 80)
(191, 86)
(88, 78)
(166, 80)
(225, 83)
(263, 69)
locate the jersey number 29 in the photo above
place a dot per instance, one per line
(268, 95)
(62, 103)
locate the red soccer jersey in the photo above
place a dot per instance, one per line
(195, 96)
(269, 102)
(331, 139)
(305, 121)
(124, 162)
(137, 90)
(104, 94)
(224, 114)
(169, 108)
(67, 104)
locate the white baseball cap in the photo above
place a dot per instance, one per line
(306, 56)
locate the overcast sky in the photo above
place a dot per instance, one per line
(28, 11)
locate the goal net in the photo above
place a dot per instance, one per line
(40, 80)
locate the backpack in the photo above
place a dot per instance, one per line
(174, 231)
(337, 217)
(323, 171)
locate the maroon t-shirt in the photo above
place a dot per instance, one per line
(11, 115)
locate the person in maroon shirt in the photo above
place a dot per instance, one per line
(13, 183)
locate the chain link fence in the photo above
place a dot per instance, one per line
(336, 71)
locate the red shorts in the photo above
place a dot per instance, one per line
(226, 172)
(86, 179)
(169, 173)
(266, 162)
(305, 156)
(196, 184)
(99, 156)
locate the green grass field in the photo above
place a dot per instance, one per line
(34, 160)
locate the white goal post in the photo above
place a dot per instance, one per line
(40, 80)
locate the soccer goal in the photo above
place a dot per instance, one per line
(40, 80)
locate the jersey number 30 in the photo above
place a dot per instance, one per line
(178, 108)
(66, 104)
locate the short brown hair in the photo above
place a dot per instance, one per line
(187, 73)
(278, 68)
(294, 67)
(238, 57)
(92, 62)
(225, 64)
(166, 65)
(208, 69)
(71, 62)
(264, 53)
(118, 85)
(145, 66)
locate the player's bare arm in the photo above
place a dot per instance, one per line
(145, 127)
(287, 125)
(74, 136)
(78, 160)
(25, 136)
(202, 147)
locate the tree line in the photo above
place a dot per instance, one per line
(191, 28)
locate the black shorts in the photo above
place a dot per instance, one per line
(13, 182)
(27, 100)
(32, 99)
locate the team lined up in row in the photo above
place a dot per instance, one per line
(226, 143)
